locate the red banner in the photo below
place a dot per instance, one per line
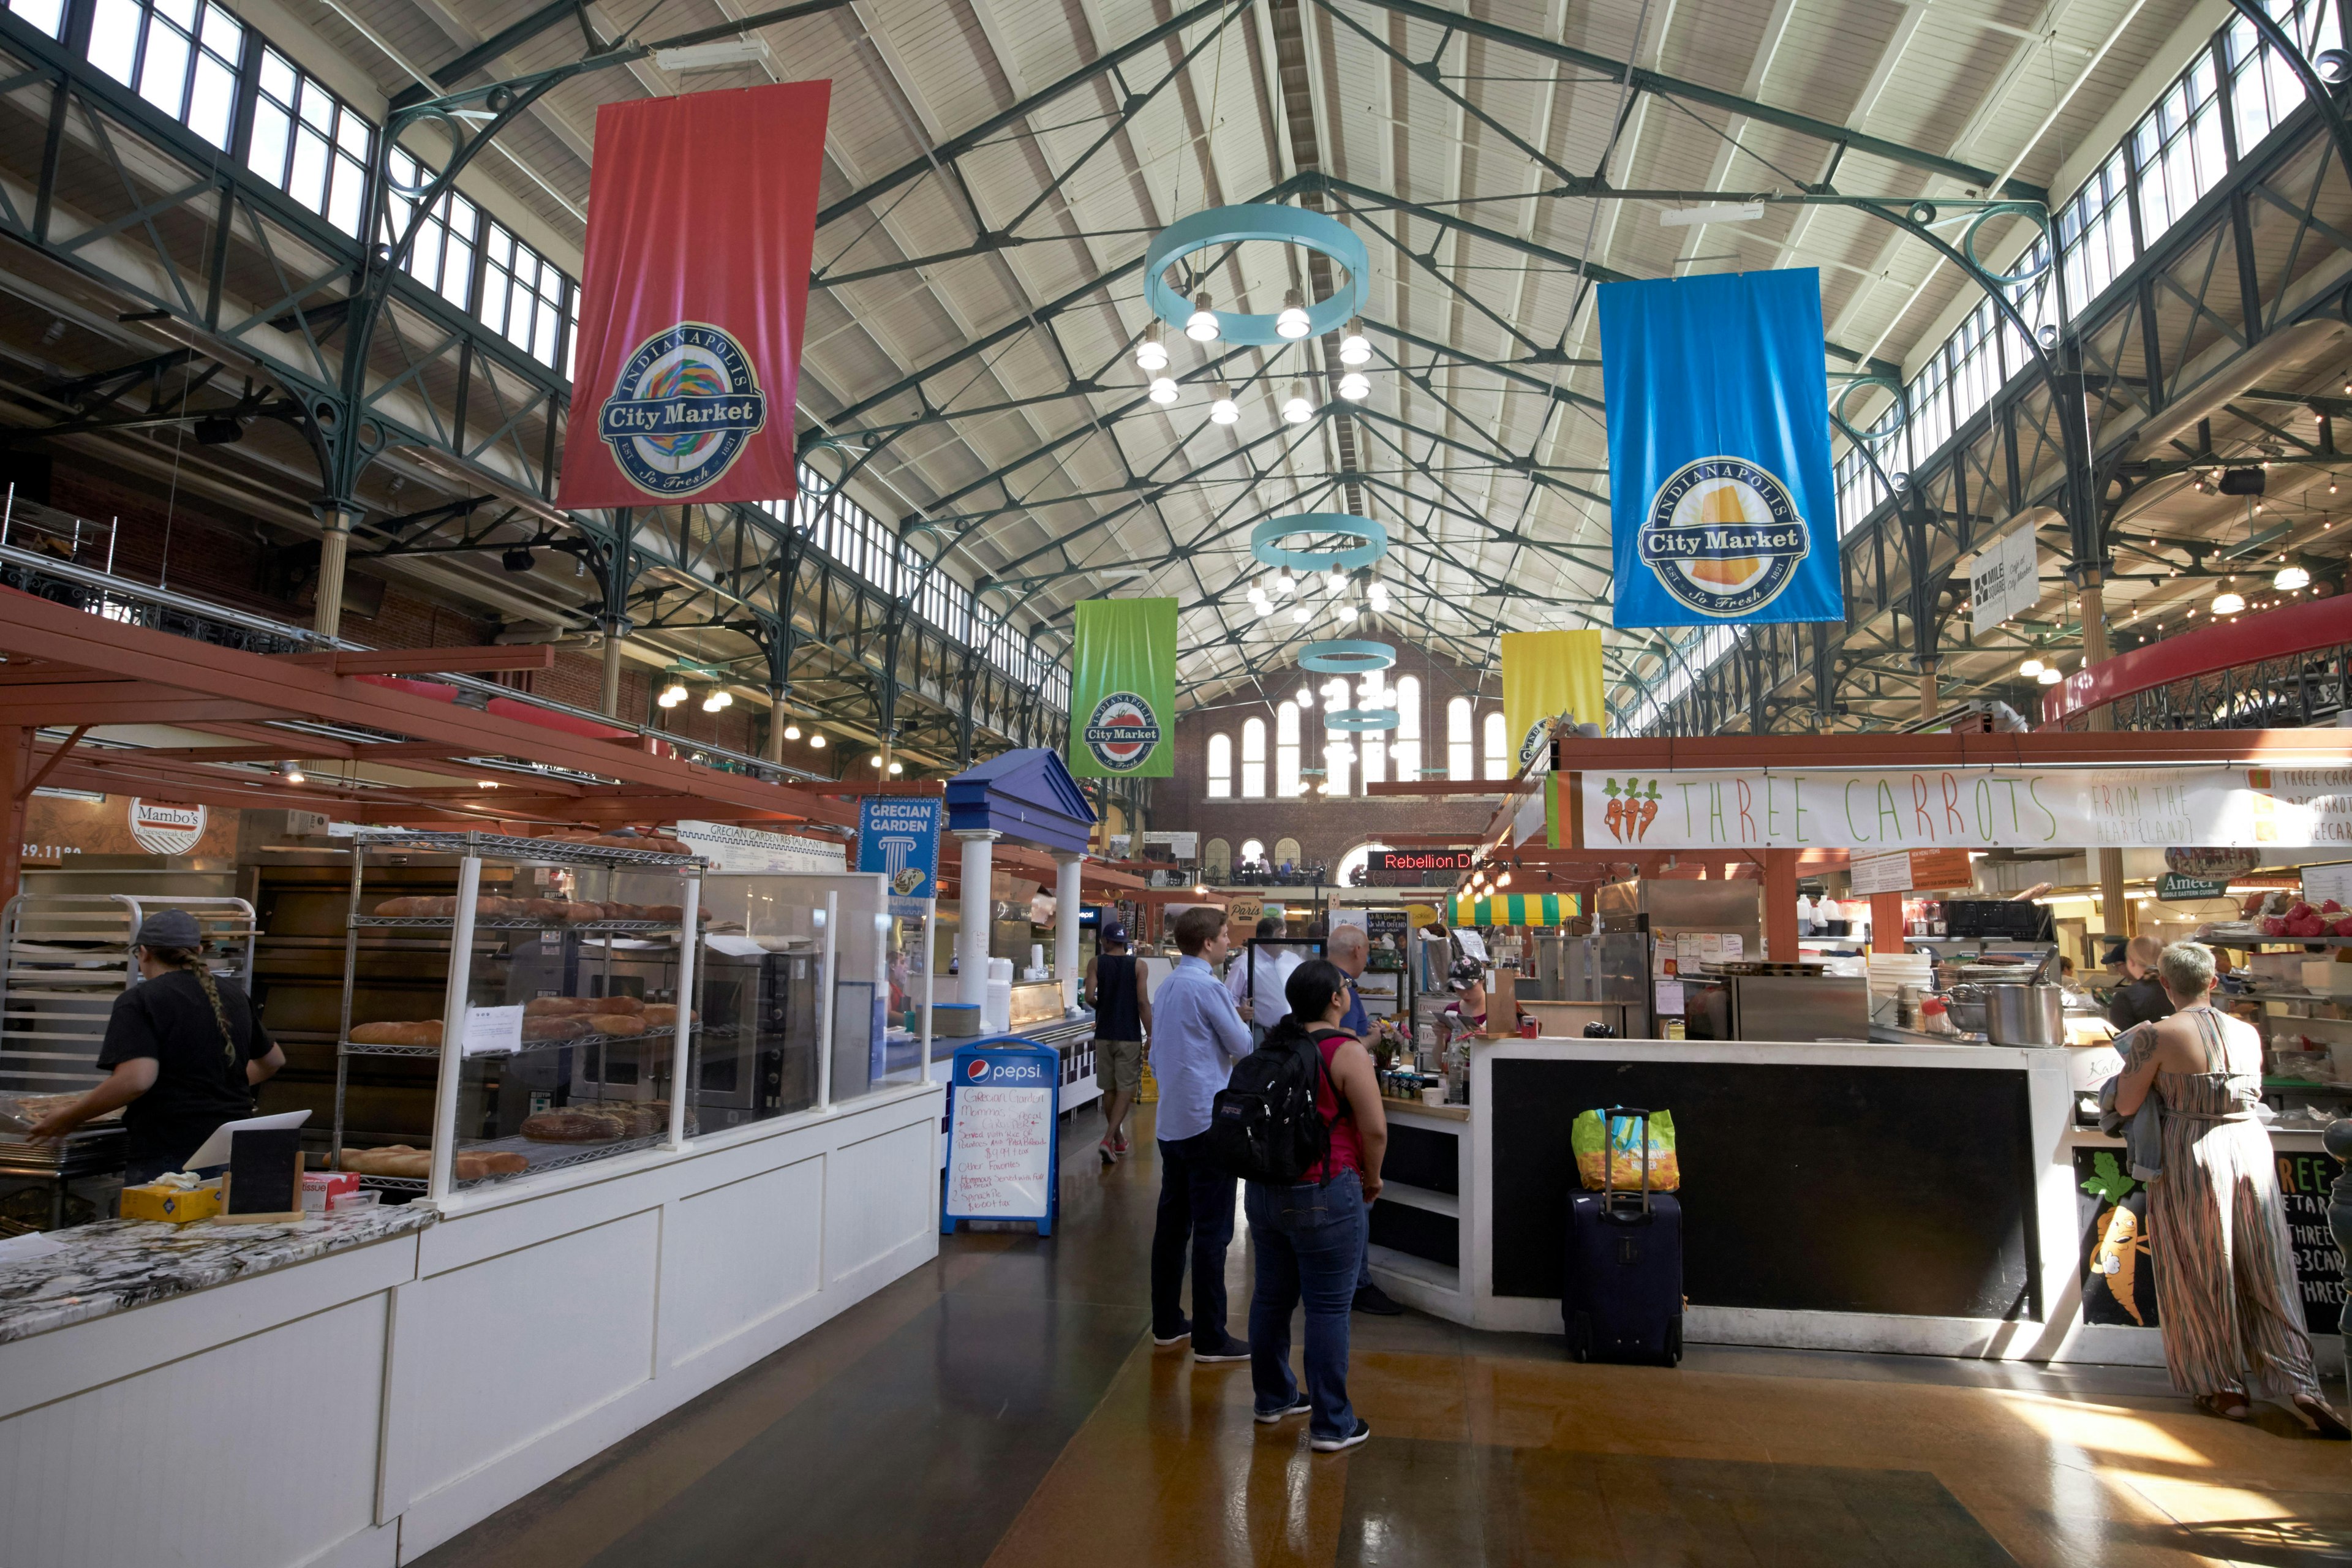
(701, 224)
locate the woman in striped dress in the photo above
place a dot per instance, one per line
(2225, 1286)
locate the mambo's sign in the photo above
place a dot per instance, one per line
(1971, 808)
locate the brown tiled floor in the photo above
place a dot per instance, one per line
(1005, 1406)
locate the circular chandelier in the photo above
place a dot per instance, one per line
(1346, 655)
(1265, 541)
(1359, 720)
(1267, 221)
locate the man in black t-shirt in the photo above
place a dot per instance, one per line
(2140, 999)
(185, 1050)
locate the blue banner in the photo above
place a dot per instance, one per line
(1721, 504)
(898, 834)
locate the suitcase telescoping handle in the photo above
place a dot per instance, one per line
(1608, 1154)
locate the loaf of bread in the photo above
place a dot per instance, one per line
(571, 1125)
(617, 1023)
(413, 906)
(397, 1159)
(474, 1167)
(614, 1005)
(427, 1033)
(561, 1007)
(569, 1026)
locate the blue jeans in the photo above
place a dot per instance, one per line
(1309, 1240)
(1196, 1214)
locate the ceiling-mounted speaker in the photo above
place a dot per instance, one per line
(2243, 481)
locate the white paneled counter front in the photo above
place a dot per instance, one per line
(374, 1399)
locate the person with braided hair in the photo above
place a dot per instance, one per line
(183, 1050)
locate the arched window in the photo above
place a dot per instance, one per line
(1339, 765)
(1253, 759)
(1406, 746)
(1498, 750)
(1285, 852)
(1371, 746)
(1217, 861)
(1354, 860)
(1460, 760)
(1286, 783)
(1221, 767)
(1252, 849)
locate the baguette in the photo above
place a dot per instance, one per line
(570, 1126)
(413, 906)
(625, 1024)
(426, 1032)
(561, 1007)
(673, 913)
(474, 1167)
(557, 1028)
(612, 1005)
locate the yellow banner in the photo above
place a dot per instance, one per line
(1545, 675)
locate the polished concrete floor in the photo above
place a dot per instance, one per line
(1004, 1408)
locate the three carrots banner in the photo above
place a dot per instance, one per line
(693, 298)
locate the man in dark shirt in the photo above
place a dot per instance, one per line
(2141, 998)
(183, 1048)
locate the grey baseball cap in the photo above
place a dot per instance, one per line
(170, 928)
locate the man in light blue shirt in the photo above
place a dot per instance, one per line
(1197, 1034)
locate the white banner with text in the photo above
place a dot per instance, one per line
(1970, 808)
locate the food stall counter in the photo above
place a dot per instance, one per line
(50, 1281)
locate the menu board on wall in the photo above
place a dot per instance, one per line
(1000, 1120)
(2118, 1277)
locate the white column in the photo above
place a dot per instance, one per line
(972, 936)
(1066, 924)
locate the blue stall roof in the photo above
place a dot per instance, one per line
(1026, 795)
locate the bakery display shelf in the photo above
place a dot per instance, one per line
(395, 1183)
(513, 922)
(358, 1048)
(545, 1156)
(504, 846)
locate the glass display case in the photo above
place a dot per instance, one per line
(773, 940)
(571, 993)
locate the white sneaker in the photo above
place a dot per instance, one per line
(1333, 1445)
(1268, 1417)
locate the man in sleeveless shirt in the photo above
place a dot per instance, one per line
(1113, 989)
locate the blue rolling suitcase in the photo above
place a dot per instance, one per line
(1623, 1294)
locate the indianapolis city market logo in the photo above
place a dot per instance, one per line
(682, 408)
(1723, 536)
(1121, 731)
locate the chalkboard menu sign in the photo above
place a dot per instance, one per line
(2118, 1278)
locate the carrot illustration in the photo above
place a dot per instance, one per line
(1614, 816)
(1649, 809)
(2121, 1243)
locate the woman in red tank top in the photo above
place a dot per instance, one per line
(1308, 1237)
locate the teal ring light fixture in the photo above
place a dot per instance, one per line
(1359, 720)
(1265, 541)
(1276, 224)
(1346, 655)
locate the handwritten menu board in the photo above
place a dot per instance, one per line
(1000, 1159)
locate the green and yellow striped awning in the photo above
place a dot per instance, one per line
(1517, 910)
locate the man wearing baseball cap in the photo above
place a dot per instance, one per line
(1113, 989)
(186, 1049)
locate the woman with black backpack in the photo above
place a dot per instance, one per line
(1308, 1235)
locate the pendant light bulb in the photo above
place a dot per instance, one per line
(673, 694)
(2049, 677)
(1503, 880)
(2229, 602)
(898, 768)
(1151, 354)
(792, 732)
(1354, 348)
(1302, 615)
(712, 704)
(2031, 668)
(1222, 409)
(1202, 327)
(291, 772)
(817, 742)
(1296, 409)
(1355, 386)
(1163, 390)
(1306, 698)
(1347, 613)
(1292, 324)
(2290, 579)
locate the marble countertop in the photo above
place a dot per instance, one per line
(115, 1264)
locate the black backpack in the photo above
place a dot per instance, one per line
(1263, 1125)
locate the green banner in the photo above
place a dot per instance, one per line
(2173, 885)
(1123, 690)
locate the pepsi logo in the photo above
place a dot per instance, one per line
(978, 1070)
